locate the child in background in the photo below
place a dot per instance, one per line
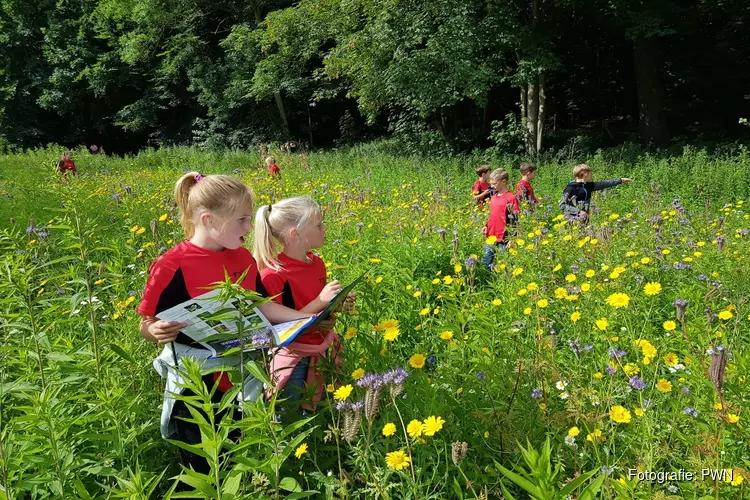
(298, 278)
(503, 216)
(216, 214)
(481, 190)
(273, 169)
(524, 191)
(576, 197)
(66, 164)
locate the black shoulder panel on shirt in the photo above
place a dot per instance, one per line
(173, 294)
(287, 298)
(260, 288)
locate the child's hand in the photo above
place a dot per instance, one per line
(165, 331)
(625, 180)
(484, 231)
(328, 323)
(330, 291)
(349, 301)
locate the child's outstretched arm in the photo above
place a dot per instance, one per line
(321, 301)
(277, 313)
(601, 185)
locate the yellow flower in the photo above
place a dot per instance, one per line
(718, 406)
(457, 268)
(532, 286)
(618, 300)
(391, 334)
(595, 436)
(570, 278)
(425, 311)
(491, 240)
(574, 431)
(446, 335)
(527, 311)
(378, 279)
(732, 418)
(397, 460)
(436, 281)
(343, 392)
(301, 450)
(575, 316)
(585, 287)
(652, 288)
(598, 375)
(542, 303)
(415, 428)
(497, 302)
(374, 260)
(669, 325)
(389, 429)
(590, 273)
(602, 324)
(417, 361)
(350, 333)
(417, 294)
(433, 425)
(620, 414)
(358, 374)
(560, 293)
(664, 385)
(330, 388)
(639, 412)
(556, 268)
(162, 217)
(645, 260)
(522, 292)
(725, 315)
(141, 230)
(517, 271)
(630, 369)
(671, 359)
(447, 280)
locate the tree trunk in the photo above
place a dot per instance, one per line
(652, 121)
(540, 119)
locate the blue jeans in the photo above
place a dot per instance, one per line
(292, 391)
(488, 259)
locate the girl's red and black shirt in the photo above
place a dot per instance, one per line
(185, 272)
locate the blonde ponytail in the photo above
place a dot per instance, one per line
(218, 194)
(264, 248)
(272, 223)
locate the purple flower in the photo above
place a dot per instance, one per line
(611, 370)
(680, 303)
(647, 403)
(431, 360)
(262, 338)
(587, 347)
(341, 405)
(357, 405)
(60, 291)
(371, 381)
(616, 353)
(685, 390)
(536, 393)
(637, 383)
(690, 411)
(481, 375)
(470, 262)
(395, 376)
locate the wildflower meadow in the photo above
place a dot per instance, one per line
(586, 355)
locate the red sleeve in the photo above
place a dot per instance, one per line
(160, 274)
(515, 204)
(477, 187)
(273, 282)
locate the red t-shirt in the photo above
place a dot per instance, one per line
(524, 192)
(297, 284)
(66, 164)
(503, 210)
(273, 169)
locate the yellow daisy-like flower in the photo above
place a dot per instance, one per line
(389, 429)
(358, 374)
(162, 217)
(556, 268)
(732, 418)
(425, 311)
(432, 425)
(669, 325)
(725, 315)
(532, 286)
(574, 431)
(602, 324)
(397, 460)
(590, 273)
(570, 278)
(645, 261)
(446, 335)
(527, 311)
(585, 287)
(575, 316)
(491, 240)
(522, 292)
(620, 414)
(542, 303)
(639, 412)
(350, 333)
(598, 375)
(343, 392)
(417, 361)
(652, 288)
(391, 334)
(595, 436)
(517, 271)
(618, 300)
(301, 450)
(560, 293)
(457, 268)
(671, 359)
(497, 302)
(664, 385)
(415, 428)
(417, 294)
(630, 369)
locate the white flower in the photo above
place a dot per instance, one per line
(570, 440)
(563, 395)
(561, 385)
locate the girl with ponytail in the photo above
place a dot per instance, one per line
(297, 277)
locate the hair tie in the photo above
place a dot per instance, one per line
(198, 178)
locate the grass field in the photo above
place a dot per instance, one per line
(623, 345)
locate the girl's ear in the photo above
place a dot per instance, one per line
(292, 235)
(205, 219)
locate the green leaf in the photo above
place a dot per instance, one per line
(520, 481)
(303, 494)
(190, 447)
(457, 489)
(254, 369)
(121, 352)
(290, 484)
(506, 493)
(591, 490)
(577, 482)
(198, 483)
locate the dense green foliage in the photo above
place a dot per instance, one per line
(445, 75)
(551, 376)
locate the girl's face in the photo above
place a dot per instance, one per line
(499, 185)
(313, 234)
(229, 232)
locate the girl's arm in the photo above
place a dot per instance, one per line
(276, 313)
(320, 302)
(157, 330)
